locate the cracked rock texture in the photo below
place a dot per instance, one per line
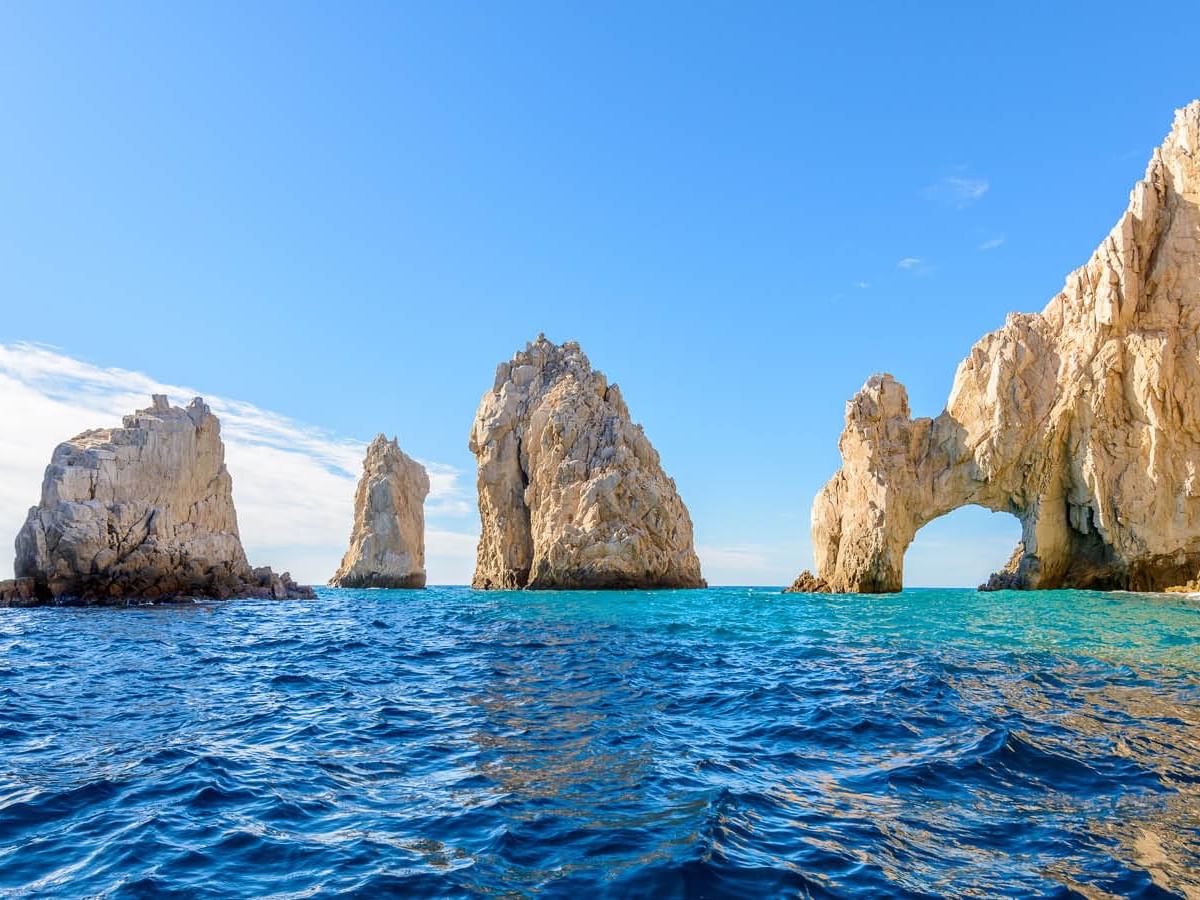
(571, 493)
(387, 543)
(143, 512)
(1083, 421)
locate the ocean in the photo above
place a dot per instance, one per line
(731, 742)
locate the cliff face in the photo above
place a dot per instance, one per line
(387, 544)
(571, 493)
(1083, 421)
(140, 512)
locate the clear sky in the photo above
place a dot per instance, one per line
(347, 214)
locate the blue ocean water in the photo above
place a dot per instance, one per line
(722, 743)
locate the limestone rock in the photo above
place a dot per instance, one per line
(571, 493)
(387, 544)
(18, 592)
(1189, 587)
(140, 512)
(1083, 421)
(807, 583)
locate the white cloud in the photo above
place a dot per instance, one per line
(992, 243)
(910, 262)
(958, 191)
(293, 484)
(864, 285)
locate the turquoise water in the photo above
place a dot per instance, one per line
(722, 743)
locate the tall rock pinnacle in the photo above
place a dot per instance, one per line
(387, 543)
(571, 493)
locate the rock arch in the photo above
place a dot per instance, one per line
(1083, 420)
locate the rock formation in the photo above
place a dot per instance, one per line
(140, 512)
(1082, 421)
(807, 583)
(387, 544)
(571, 493)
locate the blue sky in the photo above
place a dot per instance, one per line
(348, 215)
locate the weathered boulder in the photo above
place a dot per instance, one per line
(18, 592)
(387, 543)
(1083, 421)
(807, 583)
(571, 493)
(143, 512)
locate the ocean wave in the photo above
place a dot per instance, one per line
(676, 744)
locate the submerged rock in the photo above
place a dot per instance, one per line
(1083, 421)
(143, 512)
(387, 543)
(571, 493)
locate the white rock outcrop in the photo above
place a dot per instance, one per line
(140, 512)
(571, 493)
(387, 543)
(1083, 421)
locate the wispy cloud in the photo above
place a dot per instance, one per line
(992, 243)
(766, 558)
(958, 191)
(863, 285)
(293, 484)
(915, 265)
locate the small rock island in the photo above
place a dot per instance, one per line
(387, 543)
(139, 513)
(571, 493)
(1083, 421)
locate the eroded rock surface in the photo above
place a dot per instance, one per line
(807, 583)
(1083, 421)
(571, 493)
(143, 512)
(387, 544)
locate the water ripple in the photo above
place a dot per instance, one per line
(728, 742)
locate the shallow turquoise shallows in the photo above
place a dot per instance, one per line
(723, 743)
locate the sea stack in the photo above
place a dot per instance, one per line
(571, 493)
(1083, 421)
(143, 512)
(387, 543)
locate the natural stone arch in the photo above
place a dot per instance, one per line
(1083, 421)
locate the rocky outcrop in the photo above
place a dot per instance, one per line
(387, 543)
(1190, 587)
(807, 583)
(143, 512)
(1083, 421)
(571, 493)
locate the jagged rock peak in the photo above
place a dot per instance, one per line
(387, 542)
(1083, 421)
(140, 512)
(571, 492)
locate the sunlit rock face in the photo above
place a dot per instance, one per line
(571, 493)
(1083, 421)
(387, 543)
(140, 512)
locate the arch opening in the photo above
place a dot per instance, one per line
(961, 548)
